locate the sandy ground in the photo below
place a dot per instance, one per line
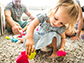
(9, 51)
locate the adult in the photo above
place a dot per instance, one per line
(13, 12)
(79, 25)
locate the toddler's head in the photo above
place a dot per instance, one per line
(65, 12)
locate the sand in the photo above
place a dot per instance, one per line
(9, 51)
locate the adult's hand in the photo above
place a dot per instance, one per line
(15, 29)
(75, 38)
(29, 46)
(20, 28)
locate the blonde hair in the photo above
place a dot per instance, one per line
(72, 9)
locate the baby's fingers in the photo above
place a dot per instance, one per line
(28, 49)
(33, 48)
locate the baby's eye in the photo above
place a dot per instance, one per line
(55, 18)
(61, 23)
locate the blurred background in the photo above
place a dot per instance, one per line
(34, 6)
(37, 2)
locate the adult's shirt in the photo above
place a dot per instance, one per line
(16, 13)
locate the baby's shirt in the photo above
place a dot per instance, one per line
(46, 27)
(45, 35)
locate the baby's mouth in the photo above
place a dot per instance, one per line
(53, 24)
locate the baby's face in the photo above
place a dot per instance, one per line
(60, 18)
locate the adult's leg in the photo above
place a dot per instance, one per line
(23, 23)
(8, 27)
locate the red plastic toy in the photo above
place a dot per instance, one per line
(61, 53)
(20, 36)
(23, 33)
(22, 58)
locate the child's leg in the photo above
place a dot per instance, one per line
(54, 46)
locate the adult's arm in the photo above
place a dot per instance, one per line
(8, 18)
(80, 23)
(11, 22)
(30, 15)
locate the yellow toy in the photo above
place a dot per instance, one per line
(13, 39)
(7, 37)
(32, 55)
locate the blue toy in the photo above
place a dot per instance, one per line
(13, 40)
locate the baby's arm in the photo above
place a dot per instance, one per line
(25, 28)
(63, 41)
(29, 36)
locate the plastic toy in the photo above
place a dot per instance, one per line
(20, 36)
(32, 55)
(7, 37)
(82, 36)
(23, 33)
(22, 58)
(13, 40)
(61, 53)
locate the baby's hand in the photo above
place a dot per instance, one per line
(29, 46)
(75, 38)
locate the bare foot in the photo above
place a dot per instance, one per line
(21, 39)
(54, 55)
